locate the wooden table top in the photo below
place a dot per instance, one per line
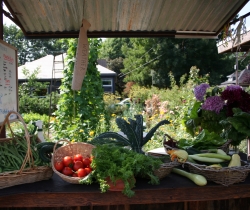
(55, 192)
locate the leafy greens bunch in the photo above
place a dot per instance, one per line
(121, 163)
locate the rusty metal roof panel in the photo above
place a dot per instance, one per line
(113, 18)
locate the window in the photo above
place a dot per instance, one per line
(107, 84)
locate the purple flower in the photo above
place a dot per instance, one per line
(233, 87)
(232, 93)
(213, 103)
(200, 91)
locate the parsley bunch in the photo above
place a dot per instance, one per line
(120, 163)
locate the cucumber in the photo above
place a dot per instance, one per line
(45, 152)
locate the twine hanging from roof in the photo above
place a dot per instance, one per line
(81, 62)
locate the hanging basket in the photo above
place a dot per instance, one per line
(28, 172)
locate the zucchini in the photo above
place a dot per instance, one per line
(192, 151)
(41, 144)
(215, 155)
(206, 159)
(45, 152)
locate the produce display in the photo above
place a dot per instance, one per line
(209, 164)
(116, 168)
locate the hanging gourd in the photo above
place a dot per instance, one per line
(81, 62)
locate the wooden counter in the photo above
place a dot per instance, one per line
(174, 192)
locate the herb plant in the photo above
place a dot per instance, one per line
(120, 163)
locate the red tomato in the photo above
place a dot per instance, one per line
(86, 162)
(67, 171)
(88, 170)
(81, 172)
(74, 175)
(78, 164)
(78, 157)
(68, 161)
(59, 165)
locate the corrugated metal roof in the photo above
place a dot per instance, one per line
(123, 18)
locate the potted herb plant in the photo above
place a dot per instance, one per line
(113, 163)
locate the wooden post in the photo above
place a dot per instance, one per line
(2, 133)
(1, 20)
(248, 149)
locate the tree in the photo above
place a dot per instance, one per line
(112, 48)
(165, 55)
(32, 49)
(116, 65)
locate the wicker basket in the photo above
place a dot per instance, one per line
(70, 149)
(165, 169)
(28, 172)
(225, 176)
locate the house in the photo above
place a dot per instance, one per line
(243, 78)
(51, 70)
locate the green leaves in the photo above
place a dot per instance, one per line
(120, 163)
(153, 130)
(133, 131)
(237, 127)
(129, 132)
(80, 110)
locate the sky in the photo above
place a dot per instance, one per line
(244, 11)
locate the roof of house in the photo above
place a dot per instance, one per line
(123, 18)
(45, 65)
(243, 77)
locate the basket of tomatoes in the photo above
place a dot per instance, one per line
(72, 161)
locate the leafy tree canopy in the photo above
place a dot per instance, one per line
(32, 49)
(150, 60)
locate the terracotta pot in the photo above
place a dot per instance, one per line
(119, 184)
